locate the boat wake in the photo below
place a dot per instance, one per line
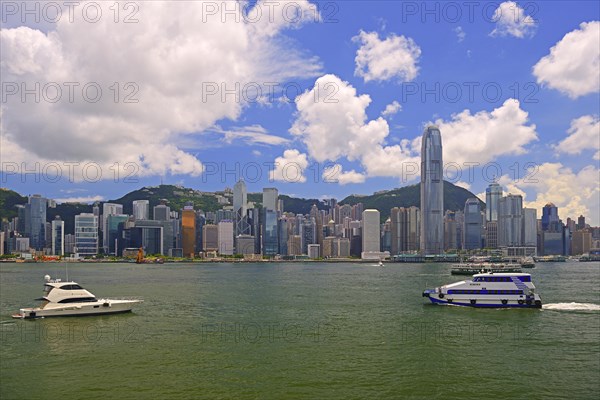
(572, 307)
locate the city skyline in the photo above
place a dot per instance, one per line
(499, 85)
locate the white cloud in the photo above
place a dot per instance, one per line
(290, 167)
(464, 185)
(574, 193)
(573, 63)
(333, 124)
(335, 174)
(460, 33)
(391, 109)
(584, 133)
(253, 134)
(395, 57)
(512, 20)
(482, 137)
(173, 77)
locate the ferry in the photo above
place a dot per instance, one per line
(66, 299)
(501, 290)
(474, 268)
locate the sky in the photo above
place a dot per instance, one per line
(319, 99)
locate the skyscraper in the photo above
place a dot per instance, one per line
(550, 220)
(141, 209)
(86, 234)
(270, 197)
(529, 227)
(432, 192)
(510, 221)
(58, 237)
(493, 194)
(240, 204)
(371, 239)
(35, 215)
(188, 231)
(108, 209)
(472, 224)
(225, 237)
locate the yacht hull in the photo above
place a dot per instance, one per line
(102, 307)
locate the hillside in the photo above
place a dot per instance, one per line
(8, 200)
(454, 198)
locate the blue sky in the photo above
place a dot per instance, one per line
(532, 68)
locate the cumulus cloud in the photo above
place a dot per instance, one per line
(166, 70)
(574, 193)
(333, 124)
(512, 20)
(393, 58)
(391, 109)
(336, 174)
(332, 130)
(482, 137)
(290, 167)
(583, 134)
(573, 63)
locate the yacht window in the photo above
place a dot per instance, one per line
(71, 287)
(79, 300)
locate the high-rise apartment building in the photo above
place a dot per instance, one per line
(371, 240)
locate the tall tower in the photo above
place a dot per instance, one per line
(240, 205)
(371, 238)
(493, 194)
(141, 209)
(432, 192)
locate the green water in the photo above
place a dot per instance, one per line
(298, 331)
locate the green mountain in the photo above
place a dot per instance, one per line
(176, 196)
(8, 200)
(384, 201)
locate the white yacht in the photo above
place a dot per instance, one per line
(488, 290)
(62, 299)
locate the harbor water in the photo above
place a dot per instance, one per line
(299, 331)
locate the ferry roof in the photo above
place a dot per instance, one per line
(503, 274)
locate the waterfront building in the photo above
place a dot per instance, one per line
(294, 245)
(313, 251)
(86, 234)
(550, 220)
(225, 237)
(270, 240)
(432, 192)
(244, 244)
(112, 229)
(581, 242)
(240, 209)
(58, 237)
(210, 238)
(371, 242)
(188, 231)
(107, 210)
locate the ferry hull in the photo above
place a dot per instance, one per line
(484, 303)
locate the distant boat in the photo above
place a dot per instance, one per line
(476, 268)
(527, 262)
(66, 299)
(380, 264)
